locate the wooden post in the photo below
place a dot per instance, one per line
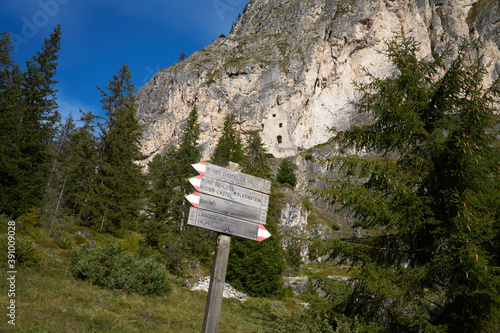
(217, 279)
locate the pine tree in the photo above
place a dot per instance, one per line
(256, 267)
(10, 104)
(169, 174)
(255, 161)
(286, 173)
(83, 181)
(230, 146)
(106, 184)
(429, 260)
(122, 180)
(56, 192)
(28, 116)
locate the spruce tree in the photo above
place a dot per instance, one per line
(84, 197)
(59, 173)
(429, 203)
(106, 183)
(169, 174)
(255, 162)
(286, 173)
(256, 267)
(28, 116)
(122, 180)
(11, 174)
(229, 147)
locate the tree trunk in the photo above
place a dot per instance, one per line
(59, 201)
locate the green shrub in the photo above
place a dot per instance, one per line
(65, 244)
(110, 268)
(29, 222)
(309, 157)
(293, 256)
(260, 305)
(304, 321)
(4, 220)
(79, 239)
(25, 254)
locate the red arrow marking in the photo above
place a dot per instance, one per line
(196, 182)
(200, 167)
(194, 199)
(262, 233)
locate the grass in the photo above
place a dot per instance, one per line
(329, 269)
(49, 299)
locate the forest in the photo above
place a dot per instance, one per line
(427, 196)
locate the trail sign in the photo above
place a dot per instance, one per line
(227, 224)
(231, 203)
(233, 177)
(230, 192)
(233, 209)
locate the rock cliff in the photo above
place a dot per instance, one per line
(287, 67)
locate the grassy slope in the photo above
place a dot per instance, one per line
(48, 299)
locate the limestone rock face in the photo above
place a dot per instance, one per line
(287, 68)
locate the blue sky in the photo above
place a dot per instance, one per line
(99, 36)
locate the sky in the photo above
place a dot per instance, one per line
(100, 36)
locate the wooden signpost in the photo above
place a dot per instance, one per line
(233, 177)
(230, 192)
(233, 209)
(231, 203)
(227, 225)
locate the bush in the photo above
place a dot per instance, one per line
(29, 221)
(309, 157)
(304, 321)
(310, 321)
(293, 256)
(65, 244)
(25, 254)
(259, 305)
(110, 268)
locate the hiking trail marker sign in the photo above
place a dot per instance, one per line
(231, 203)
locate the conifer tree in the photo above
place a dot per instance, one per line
(122, 180)
(255, 161)
(11, 173)
(169, 174)
(256, 267)
(286, 173)
(230, 146)
(59, 173)
(84, 197)
(429, 260)
(28, 116)
(106, 183)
